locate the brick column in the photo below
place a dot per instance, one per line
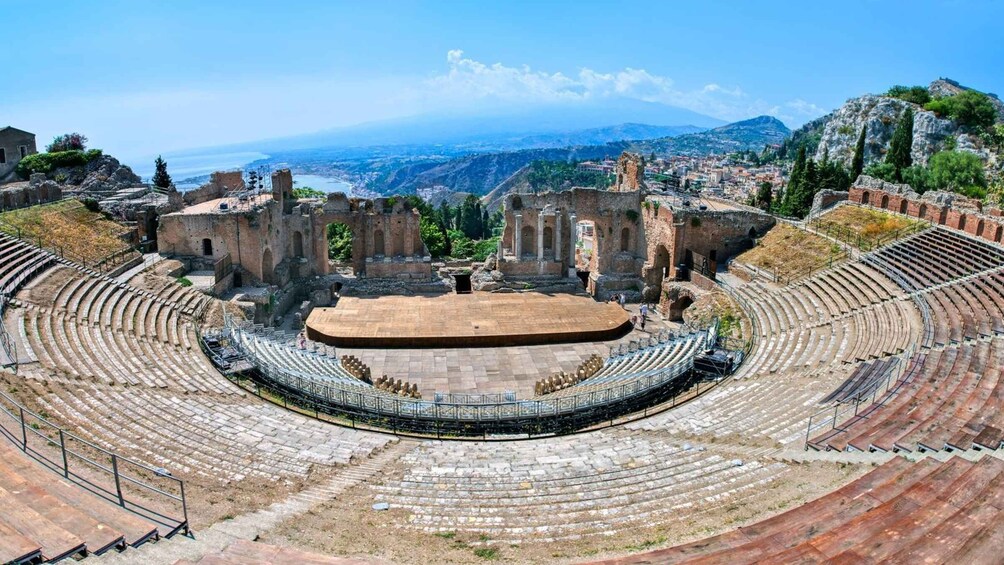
(540, 235)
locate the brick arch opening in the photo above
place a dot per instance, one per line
(902, 206)
(865, 197)
(378, 242)
(885, 201)
(979, 228)
(923, 211)
(962, 221)
(998, 233)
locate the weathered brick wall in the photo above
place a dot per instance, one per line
(960, 213)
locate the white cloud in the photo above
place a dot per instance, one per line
(468, 81)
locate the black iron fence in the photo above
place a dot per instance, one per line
(148, 492)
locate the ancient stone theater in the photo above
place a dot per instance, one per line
(631, 376)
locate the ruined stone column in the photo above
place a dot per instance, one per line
(388, 238)
(557, 236)
(517, 237)
(409, 240)
(540, 235)
(571, 244)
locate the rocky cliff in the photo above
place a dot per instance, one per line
(881, 114)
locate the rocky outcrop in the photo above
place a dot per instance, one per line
(865, 181)
(881, 114)
(103, 175)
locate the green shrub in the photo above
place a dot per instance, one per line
(307, 192)
(915, 94)
(91, 204)
(485, 247)
(184, 281)
(632, 215)
(968, 108)
(46, 162)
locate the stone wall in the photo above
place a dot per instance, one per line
(37, 191)
(825, 199)
(219, 184)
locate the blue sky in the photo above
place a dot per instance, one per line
(141, 77)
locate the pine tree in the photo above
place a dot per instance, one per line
(858, 164)
(160, 177)
(901, 144)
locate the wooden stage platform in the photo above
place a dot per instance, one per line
(466, 320)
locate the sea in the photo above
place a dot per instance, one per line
(191, 171)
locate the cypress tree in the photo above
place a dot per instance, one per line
(902, 144)
(795, 181)
(858, 164)
(160, 177)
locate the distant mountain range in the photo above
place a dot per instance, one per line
(480, 174)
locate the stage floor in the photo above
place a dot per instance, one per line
(466, 320)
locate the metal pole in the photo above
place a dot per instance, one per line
(62, 447)
(24, 432)
(118, 482)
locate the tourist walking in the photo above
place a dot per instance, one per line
(623, 299)
(644, 310)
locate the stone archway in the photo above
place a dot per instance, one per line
(674, 301)
(884, 202)
(676, 308)
(865, 197)
(902, 206)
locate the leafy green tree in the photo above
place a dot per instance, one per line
(433, 237)
(917, 177)
(858, 162)
(339, 242)
(957, 171)
(160, 177)
(901, 144)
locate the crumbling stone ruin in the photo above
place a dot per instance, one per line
(630, 173)
(277, 238)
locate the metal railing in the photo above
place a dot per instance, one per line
(865, 243)
(128, 483)
(103, 264)
(531, 416)
(834, 418)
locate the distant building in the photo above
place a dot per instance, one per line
(15, 145)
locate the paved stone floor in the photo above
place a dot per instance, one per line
(490, 369)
